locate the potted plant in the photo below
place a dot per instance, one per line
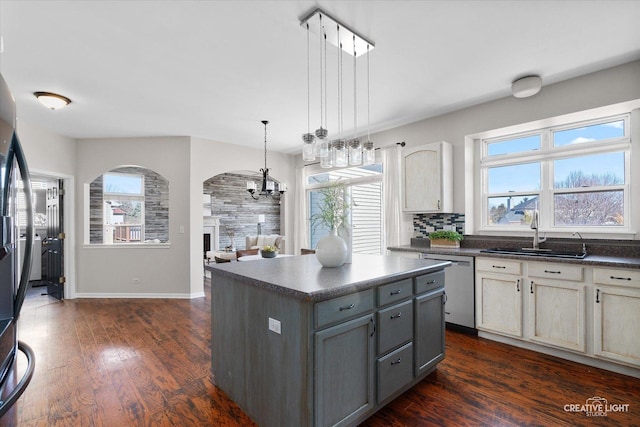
(332, 212)
(269, 252)
(445, 239)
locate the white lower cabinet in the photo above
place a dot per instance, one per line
(616, 303)
(590, 311)
(499, 296)
(556, 313)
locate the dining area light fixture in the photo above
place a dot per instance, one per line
(268, 188)
(341, 150)
(52, 100)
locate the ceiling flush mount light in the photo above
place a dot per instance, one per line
(526, 86)
(269, 188)
(339, 152)
(52, 100)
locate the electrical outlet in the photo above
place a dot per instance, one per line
(449, 227)
(135, 280)
(274, 326)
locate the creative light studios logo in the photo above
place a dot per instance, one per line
(596, 407)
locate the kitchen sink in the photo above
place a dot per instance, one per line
(535, 252)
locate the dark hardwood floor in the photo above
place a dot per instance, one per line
(115, 362)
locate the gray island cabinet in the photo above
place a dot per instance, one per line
(295, 344)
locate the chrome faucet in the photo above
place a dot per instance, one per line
(534, 225)
(584, 245)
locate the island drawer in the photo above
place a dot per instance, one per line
(555, 271)
(394, 371)
(395, 291)
(342, 308)
(395, 326)
(429, 282)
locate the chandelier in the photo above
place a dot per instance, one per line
(340, 151)
(269, 188)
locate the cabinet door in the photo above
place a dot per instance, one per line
(344, 375)
(429, 330)
(556, 313)
(617, 317)
(427, 178)
(499, 304)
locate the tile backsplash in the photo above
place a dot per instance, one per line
(423, 224)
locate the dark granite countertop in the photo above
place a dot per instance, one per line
(303, 277)
(617, 261)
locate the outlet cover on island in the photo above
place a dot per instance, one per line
(274, 326)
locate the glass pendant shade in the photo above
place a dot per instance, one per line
(368, 153)
(323, 149)
(355, 152)
(340, 154)
(326, 161)
(309, 147)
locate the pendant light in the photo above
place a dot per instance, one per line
(269, 188)
(309, 147)
(368, 153)
(338, 152)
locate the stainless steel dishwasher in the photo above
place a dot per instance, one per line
(460, 289)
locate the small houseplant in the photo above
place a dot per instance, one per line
(445, 239)
(269, 252)
(332, 211)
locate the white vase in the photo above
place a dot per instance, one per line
(331, 250)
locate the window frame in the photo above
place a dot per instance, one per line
(546, 156)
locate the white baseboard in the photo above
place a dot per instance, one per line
(139, 296)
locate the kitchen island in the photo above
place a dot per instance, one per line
(295, 344)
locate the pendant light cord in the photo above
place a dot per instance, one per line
(368, 98)
(355, 103)
(308, 85)
(321, 100)
(265, 145)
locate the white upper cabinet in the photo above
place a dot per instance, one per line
(427, 178)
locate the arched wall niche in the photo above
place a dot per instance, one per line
(156, 208)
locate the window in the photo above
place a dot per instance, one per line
(123, 201)
(576, 175)
(364, 187)
(129, 205)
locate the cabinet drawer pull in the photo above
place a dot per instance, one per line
(619, 278)
(531, 286)
(598, 296)
(498, 266)
(431, 282)
(518, 285)
(395, 292)
(397, 362)
(395, 316)
(553, 272)
(347, 307)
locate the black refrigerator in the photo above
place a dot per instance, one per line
(14, 278)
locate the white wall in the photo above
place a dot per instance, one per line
(210, 158)
(608, 87)
(46, 151)
(161, 270)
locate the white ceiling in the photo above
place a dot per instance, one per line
(215, 69)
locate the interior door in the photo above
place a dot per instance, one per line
(53, 245)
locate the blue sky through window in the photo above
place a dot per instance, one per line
(589, 133)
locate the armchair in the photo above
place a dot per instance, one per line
(253, 242)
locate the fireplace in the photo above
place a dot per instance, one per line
(211, 234)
